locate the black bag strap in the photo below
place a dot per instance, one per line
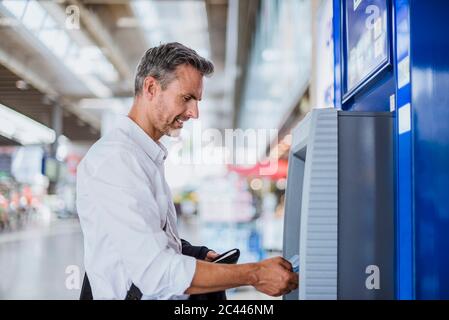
(86, 291)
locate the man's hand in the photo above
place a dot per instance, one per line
(211, 255)
(275, 277)
(272, 276)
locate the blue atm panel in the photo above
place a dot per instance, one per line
(429, 50)
(412, 85)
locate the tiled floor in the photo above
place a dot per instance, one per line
(33, 262)
(45, 261)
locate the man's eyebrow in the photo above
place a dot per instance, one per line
(193, 96)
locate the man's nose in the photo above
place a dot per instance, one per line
(192, 111)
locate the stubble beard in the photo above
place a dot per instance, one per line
(166, 128)
(174, 133)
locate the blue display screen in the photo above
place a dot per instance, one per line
(366, 39)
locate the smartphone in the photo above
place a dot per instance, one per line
(231, 257)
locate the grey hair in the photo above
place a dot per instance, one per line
(160, 63)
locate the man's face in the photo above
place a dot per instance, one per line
(178, 102)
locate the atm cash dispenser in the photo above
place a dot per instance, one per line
(339, 212)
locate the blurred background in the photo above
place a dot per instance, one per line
(66, 73)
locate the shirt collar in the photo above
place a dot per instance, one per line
(154, 149)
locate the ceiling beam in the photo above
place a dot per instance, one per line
(217, 13)
(4, 141)
(248, 11)
(28, 75)
(18, 66)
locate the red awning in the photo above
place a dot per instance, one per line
(273, 170)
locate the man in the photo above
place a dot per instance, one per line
(124, 203)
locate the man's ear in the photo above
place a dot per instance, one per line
(150, 87)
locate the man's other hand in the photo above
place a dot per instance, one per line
(211, 255)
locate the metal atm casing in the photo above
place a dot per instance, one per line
(339, 212)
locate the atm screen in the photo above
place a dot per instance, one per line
(366, 39)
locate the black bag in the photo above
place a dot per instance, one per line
(86, 291)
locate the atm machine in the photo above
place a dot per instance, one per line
(366, 199)
(340, 205)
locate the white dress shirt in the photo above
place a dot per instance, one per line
(128, 218)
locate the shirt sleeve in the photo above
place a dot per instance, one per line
(130, 218)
